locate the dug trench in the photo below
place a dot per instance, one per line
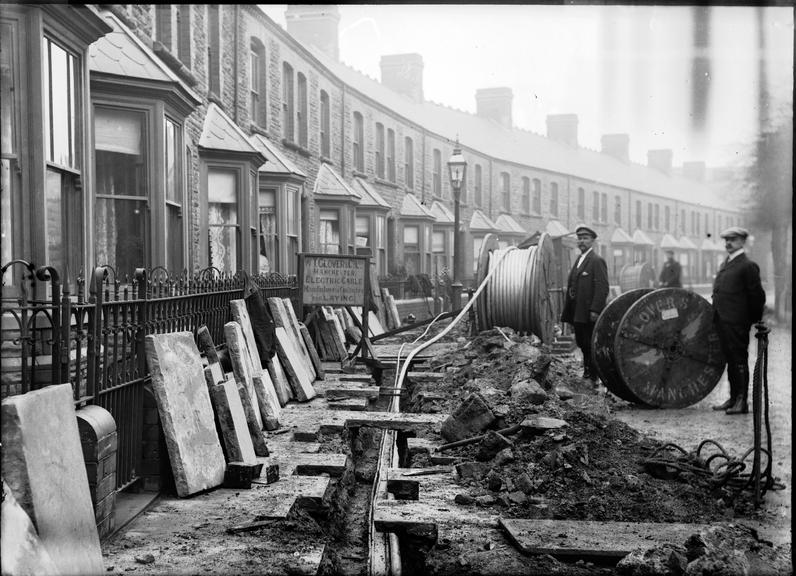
(579, 468)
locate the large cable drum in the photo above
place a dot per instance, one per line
(522, 294)
(666, 350)
(639, 275)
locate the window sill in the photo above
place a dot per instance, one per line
(385, 183)
(174, 63)
(358, 174)
(327, 160)
(215, 99)
(296, 147)
(256, 129)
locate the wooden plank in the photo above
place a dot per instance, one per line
(401, 515)
(593, 538)
(307, 464)
(368, 393)
(291, 361)
(336, 330)
(375, 327)
(393, 308)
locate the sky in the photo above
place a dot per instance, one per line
(621, 69)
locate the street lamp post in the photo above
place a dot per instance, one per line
(457, 170)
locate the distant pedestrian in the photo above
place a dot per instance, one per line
(738, 301)
(587, 291)
(670, 273)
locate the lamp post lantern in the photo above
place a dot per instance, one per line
(457, 171)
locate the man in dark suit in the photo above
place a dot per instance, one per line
(738, 301)
(670, 273)
(587, 291)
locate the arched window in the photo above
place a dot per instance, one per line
(409, 163)
(358, 143)
(288, 104)
(526, 195)
(325, 125)
(257, 91)
(302, 112)
(505, 180)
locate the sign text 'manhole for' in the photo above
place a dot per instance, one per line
(331, 280)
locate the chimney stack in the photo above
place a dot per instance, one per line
(694, 171)
(315, 24)
(563, 128)
(660, 160)
(495, 104)
(403, 73)
(616, 145)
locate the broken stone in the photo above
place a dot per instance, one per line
(492, 443)
(565, 393)
(504, 457)
(494, 482)
(470, 417)
(523, 482)
(542, 423)
(503, 500)
(465, 499)
(145, 559)
(526, 352)
(474, 470)
(667, 560)
(518, 497)
(528, 391)
(486, 500)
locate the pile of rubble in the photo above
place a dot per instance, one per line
(530, 439)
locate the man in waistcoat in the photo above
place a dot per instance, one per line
(738, 301)
(587, 291)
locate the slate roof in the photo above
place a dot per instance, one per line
(480, 223)
(220, 132)
(687, 243)
(621, 237)
(506, 223)
(412, 208)
(277, 163)
(668, 241)
(121, 53)
(330, 183)
(442, 213)
(524, 147)
(556, 229)
(370, 198)
(642, 239)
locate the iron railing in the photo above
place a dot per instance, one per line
(95, 338)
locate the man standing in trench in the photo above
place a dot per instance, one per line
(738, 301)
(587, 291)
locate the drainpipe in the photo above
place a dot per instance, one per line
(423, 171)
(235, 63)
(342, 136)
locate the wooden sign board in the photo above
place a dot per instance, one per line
(332, 280)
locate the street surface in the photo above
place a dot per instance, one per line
(687, 427)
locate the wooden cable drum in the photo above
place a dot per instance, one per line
(602, 344)
(666, 350)
(633, 276)
(518, 294)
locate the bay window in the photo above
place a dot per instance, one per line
(223, 227)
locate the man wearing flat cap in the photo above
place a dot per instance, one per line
(587, 291)
(738, 300)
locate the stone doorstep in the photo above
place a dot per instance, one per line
(401, 515)
(307, 464)
(278, 499)
(359, 404)
(371, 393)
(592, 538)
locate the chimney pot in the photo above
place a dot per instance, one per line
(563, 128)
(660, 160)
(495, 104)
(616, 145)
(315, 24)
(403, 73)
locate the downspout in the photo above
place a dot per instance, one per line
(423, 171)
(342, 135)
(235, 62)
(490, 188)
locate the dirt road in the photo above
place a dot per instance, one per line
(687, 427)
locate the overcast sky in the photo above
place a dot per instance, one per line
(621, 69)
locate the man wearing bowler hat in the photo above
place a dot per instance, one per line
(587, 291)
(738, 301)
